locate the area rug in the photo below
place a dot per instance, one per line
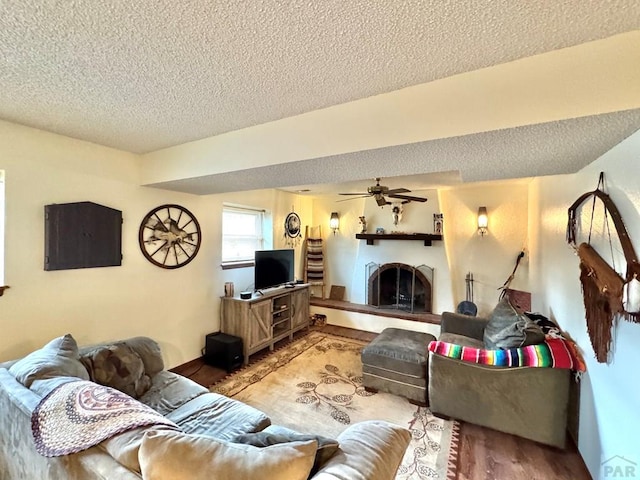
(314, 385)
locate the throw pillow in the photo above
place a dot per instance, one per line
(120, 367)
(57, 358)
(182, 456)
(274, 435)
(509, 329)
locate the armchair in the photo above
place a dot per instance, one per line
(529, 402)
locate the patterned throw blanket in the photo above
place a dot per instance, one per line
(80, 414)
(553, 352)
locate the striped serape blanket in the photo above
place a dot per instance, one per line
(315, 260)
(553, 352)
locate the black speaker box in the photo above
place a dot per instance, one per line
(223, 351)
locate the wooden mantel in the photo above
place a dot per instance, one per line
(426, 237)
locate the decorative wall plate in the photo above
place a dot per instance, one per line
(169, 236)
(292, 225)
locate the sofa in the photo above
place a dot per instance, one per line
(528, 402)
(195, 434)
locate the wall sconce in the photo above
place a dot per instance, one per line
(334, 222)
(483, 221)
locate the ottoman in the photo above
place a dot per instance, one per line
(396, 362)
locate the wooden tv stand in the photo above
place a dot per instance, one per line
(264, 319)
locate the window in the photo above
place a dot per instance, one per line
(1, 229)
(242, 235)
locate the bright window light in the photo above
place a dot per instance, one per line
(242, 233)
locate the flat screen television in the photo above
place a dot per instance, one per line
(273, 268)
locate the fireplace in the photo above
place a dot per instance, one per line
(400, 286)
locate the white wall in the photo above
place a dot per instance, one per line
(610, 393)
(176, 307)
(491, 258)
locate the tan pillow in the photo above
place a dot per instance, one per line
(276, 434)
(125, 446)
(179, 456)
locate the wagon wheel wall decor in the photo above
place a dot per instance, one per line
(606, 294)
(170, 236)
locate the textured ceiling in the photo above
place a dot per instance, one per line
(142, 75)
(146, 74)
(543, 149)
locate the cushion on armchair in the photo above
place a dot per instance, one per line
(509, 329)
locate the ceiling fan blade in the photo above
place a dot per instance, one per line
(408, 197)
(360, 193)
(381, 201)
(397, 190)
(353, 198)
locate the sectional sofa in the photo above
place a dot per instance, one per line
(57, 404)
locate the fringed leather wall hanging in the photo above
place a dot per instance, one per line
(606, 294)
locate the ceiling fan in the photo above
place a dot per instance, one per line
(378, 192)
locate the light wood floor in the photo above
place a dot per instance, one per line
(485, 454)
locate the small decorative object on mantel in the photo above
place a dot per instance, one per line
(169, 236)
(380, 231)
(438, 223)
(606, 294)
(292, 229)
(363, 223)
(396, 212)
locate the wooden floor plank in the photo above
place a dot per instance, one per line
(485, 454)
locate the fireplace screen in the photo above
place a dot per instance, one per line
(400, 286)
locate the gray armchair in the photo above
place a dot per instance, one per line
(526, 401)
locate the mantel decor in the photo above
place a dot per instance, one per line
(427, 238)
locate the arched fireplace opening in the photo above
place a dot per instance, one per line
(400, 286)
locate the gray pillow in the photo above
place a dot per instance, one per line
(120, 367)
(274, 435)
(509, 329)
(58, 358)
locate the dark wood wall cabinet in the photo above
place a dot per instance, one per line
(81, 235)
